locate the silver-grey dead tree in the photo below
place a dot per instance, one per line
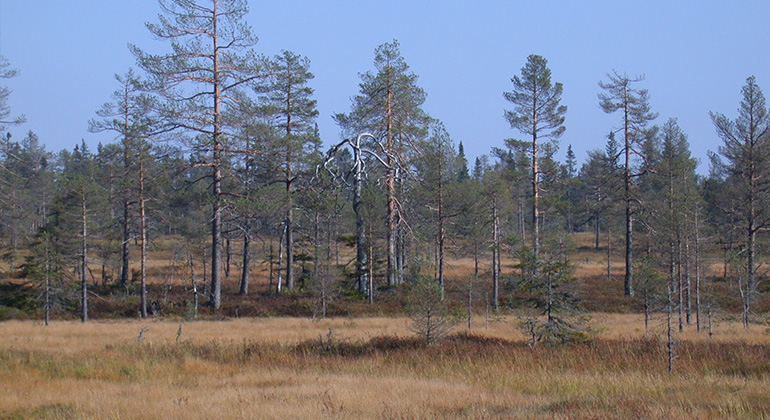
(389, 107)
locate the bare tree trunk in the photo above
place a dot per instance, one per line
(279, 284)
(47, 282)
(670, 342)
(495, 256)
(597, 233)
(216, 219)
(228, 256)
(191, 262)
(697, 273)
(271, 275)
(125, 251)
(362, 249)
(609, 256)
(680, 285)
(400, 253)
(289, 232)
(669, 329)
(370, 266)
(83, 259)
(750, 268)
(628, 284)
(390, 183)
(535, 196)
(143, 237)
(243, 290)
(687, 282)
(215, 296)
(441, 234)
(646, 311)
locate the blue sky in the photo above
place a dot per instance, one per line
(696, 57)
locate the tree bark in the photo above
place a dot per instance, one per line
(495, 256)
(83, 259)
(143, 236)
(243, 290)
(216, 219)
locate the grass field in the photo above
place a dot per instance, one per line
(374, 368)
(369, 365)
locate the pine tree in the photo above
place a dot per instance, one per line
(537, 113)
(746, 169)
(634, 104)
(128, 115)
(288, 100)
(389, 107)
(5, 111)
(201, 81)
(437, 169)
(671, 199)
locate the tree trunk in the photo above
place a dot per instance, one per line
(228, 256)
(243, 290)
(47, 282)
(290, 243)
(143, 237)
(697, 272)
(441, 234)
(83, 259)
(680, 285)
(535, 195)
(390, 184)
(125, 246)
(597, 233)
(194, 283)
(687, 282)
(495, 256)
(609, 256)
(628, 284)
(279, 283)
(216, 219)
(370, 274)
(362, 254)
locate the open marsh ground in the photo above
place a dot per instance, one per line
(374, 368)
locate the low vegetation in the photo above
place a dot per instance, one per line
(373, 369)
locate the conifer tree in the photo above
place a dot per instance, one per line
(634, 104)
(201, 80)
(389, 106)
(539, 114)
(287, 99)
(745, 166)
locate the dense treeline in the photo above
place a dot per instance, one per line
(218, 146)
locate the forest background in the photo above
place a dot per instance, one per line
(215, 139)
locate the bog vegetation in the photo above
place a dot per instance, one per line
(374, 368)
(219, 200)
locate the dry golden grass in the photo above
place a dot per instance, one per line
(277, 368)
(288, 368)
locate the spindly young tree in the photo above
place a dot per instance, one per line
(745, 167)
(288, 100)
(75, 214)
(200, 80)
(634, 103)
(389, 107)
(128, 115)
(539, 114)
(437, 168)
(669, 199)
